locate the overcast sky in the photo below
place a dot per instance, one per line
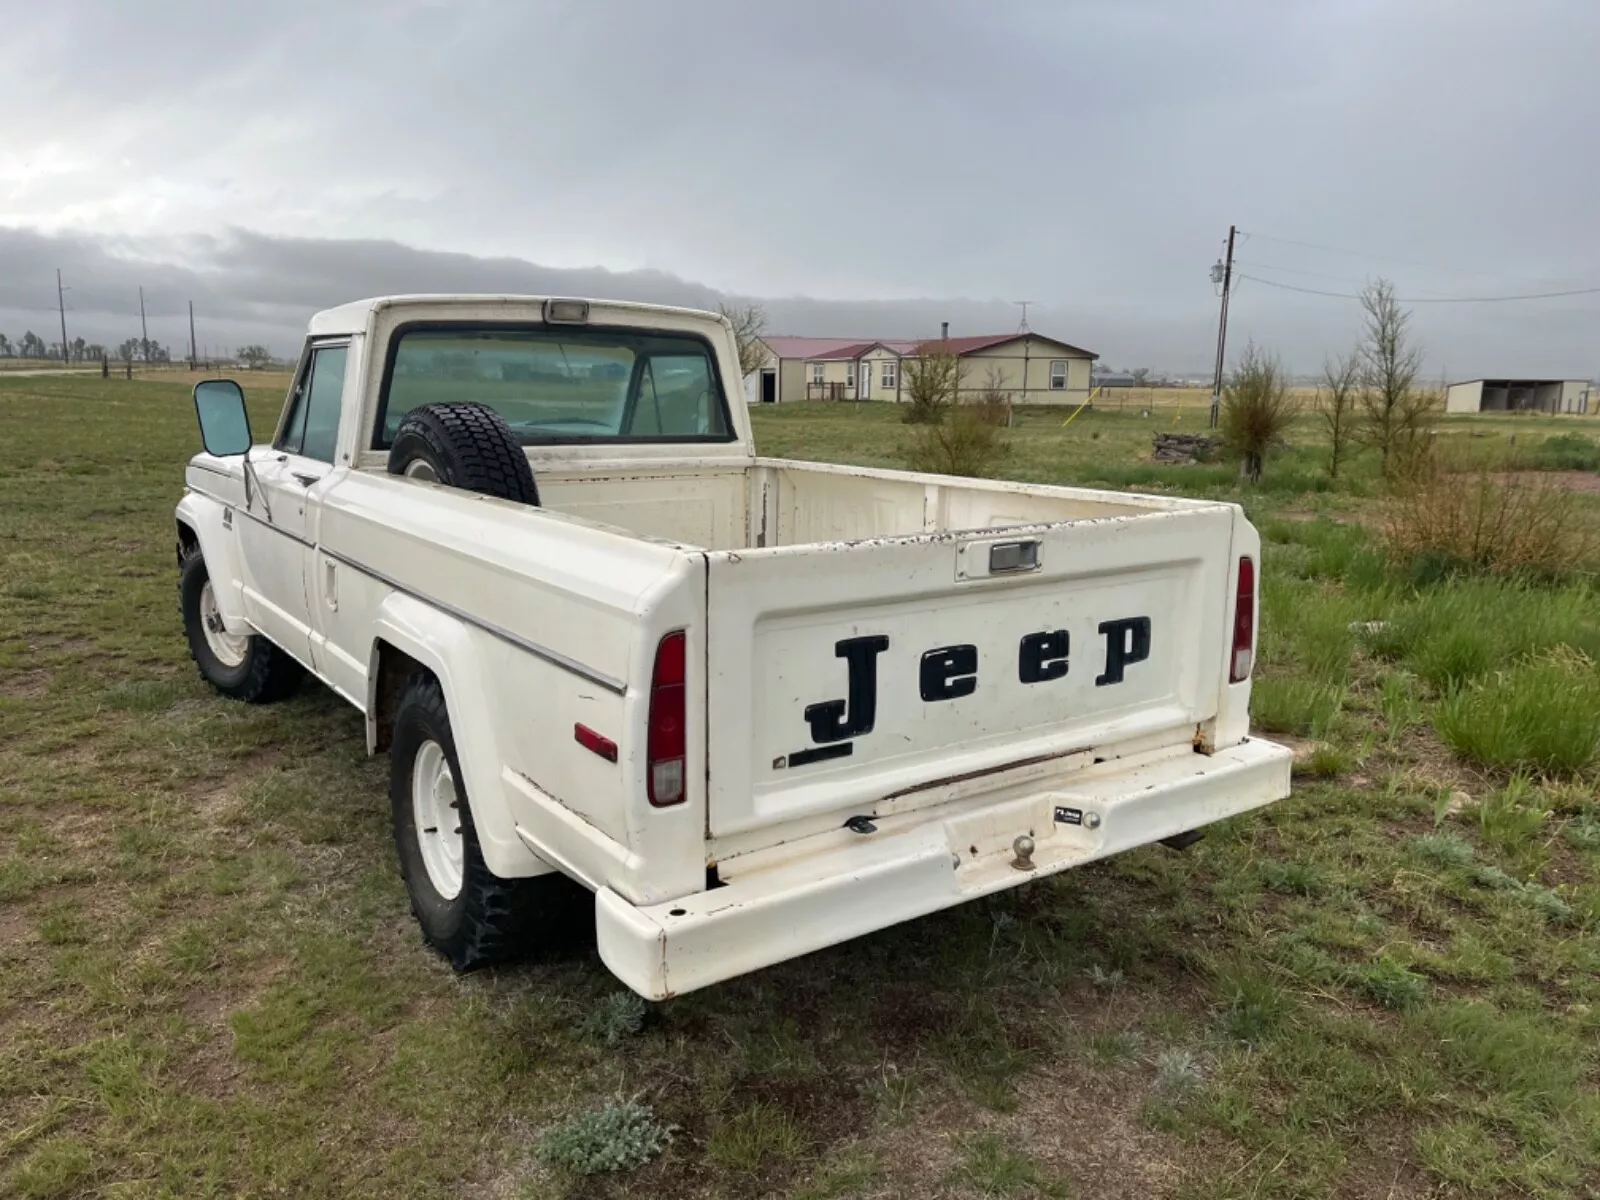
(942, 157)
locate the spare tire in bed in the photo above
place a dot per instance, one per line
(468, 446)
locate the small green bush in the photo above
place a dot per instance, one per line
(1539, 716)
(618, 1137)
(1564, 452)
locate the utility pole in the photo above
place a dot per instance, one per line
(144, 330)
(61, 305)
(191, 335)
(1222, 273)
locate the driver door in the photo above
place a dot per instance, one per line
(276, 543)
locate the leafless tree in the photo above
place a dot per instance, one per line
(994, 399)
(1396, 415)
(1336, 405)
(749, 323)
(931, 382)
(1141, 376)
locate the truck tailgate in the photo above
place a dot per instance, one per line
(843, 674)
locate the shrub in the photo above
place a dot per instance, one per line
(966, 441)
(1438, 523)
(1256, 411)
(1565, 452)
(618, 1137)
(1542, 716)
(931, 383)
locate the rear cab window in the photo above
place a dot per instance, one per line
(559, 385)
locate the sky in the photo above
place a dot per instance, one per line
(858, 167)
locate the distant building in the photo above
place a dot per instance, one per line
(1029, 367)
(1114, 379)
(1518, 395)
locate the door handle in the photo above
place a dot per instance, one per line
(306, 480)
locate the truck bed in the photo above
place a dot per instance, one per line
(778, 502)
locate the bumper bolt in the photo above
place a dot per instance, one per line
(1091, 820)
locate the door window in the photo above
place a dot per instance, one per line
(313, 425)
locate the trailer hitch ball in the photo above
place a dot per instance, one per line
(1023, 848)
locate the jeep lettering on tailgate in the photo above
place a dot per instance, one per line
(949, 673)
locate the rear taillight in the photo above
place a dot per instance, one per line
(666, 737)
(1244, 623)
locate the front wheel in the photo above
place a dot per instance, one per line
(244, 666)
(467, 913)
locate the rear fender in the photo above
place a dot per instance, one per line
(454, 652)
(209, 522)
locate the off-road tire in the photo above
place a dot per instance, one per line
(466, 446)
(266, 673)
(490, 920)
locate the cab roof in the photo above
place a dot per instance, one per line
(356, 316)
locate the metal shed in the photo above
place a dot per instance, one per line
(1518, 395)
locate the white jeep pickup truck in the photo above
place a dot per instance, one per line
(755, 706)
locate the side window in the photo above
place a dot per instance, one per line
(322, 400)
(313, 424)
(294, 425)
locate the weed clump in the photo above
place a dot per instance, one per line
(614, 1018)
(618, 1137)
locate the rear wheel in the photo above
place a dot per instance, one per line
(244, 666)
(467, 913)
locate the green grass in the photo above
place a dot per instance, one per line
(1541, 715)
(210, 983)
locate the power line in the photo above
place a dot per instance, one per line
(1368, 254)
(1290, 287)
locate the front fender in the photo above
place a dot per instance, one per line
(454, 651)
(211, 523)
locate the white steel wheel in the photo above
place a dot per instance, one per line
(230, 648)
(435, 808)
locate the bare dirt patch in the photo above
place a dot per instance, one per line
(26, 685)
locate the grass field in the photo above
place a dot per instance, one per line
(1385, 986)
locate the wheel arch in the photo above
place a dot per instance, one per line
(206, 525)
(411, 636)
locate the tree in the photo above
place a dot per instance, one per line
(749, 323)
(78, 345)
(5, 346)
(1336, 405)
(32, 345)
(1256, 410)
(1141, 376)
(255, 356)
(94, 351)
(1396, 415)
(129, 350)
(931, 382)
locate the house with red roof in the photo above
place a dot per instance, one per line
(1027, 366)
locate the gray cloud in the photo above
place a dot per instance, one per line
(1085, 154)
